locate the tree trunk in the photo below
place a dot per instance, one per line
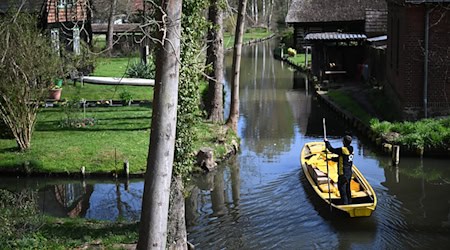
(214, 105)
(155, 202)
(269, 19)
(234, 106)
(256, 12)
(110, 36)
(177, 236)
(264, 13)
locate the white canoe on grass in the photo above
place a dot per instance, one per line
(117, 81)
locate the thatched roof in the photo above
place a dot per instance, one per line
(313, 11)
(32, 6)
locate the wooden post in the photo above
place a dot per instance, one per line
(83, 172)
(395, 154)
(126, 168)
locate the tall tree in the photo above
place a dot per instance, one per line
(110, 36)
(237, 50)
(155, 203)
(214, 105)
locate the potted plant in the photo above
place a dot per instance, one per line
(55, 90)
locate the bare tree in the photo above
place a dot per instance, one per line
(234, 106)
(215, 59)
(155, 203)
(26, 71)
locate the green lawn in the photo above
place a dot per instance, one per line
(109, 67)
(299, 59)
(113, 66)
(120, 133)
(104, 92)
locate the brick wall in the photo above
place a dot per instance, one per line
(68, 13)
(405, 58)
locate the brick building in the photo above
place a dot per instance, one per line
(418, 57)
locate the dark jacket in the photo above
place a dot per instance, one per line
(345, 159)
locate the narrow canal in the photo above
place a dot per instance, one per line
(259, 199)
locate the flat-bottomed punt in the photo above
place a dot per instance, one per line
(314, 166)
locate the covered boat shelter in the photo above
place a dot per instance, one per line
(337, 56)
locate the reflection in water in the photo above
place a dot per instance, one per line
(258, 200)
(71, 199)
(95, 199)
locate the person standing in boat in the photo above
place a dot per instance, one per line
(345, 163)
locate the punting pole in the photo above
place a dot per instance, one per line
(326, 160)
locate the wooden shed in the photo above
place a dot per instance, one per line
(336, 56)
(346, 16)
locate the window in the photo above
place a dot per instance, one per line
(65, 3)
(54, 35)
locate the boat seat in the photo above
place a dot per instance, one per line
(358, 194)
(322, 180)
(324, 188)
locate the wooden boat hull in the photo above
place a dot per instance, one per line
(364, 199)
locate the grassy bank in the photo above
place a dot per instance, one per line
(425, 134)
(429, 135)
(347, 103)
(299, 60)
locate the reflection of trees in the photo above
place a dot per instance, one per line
(217, 187)
(267, 116)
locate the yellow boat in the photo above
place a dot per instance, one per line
(314, 166)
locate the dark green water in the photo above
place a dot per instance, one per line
(260, 200)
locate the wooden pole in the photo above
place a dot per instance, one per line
(326, 160)
(395, 155)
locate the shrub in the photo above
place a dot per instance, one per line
(292, 52)
(140, 70)
(126, 96)
(18, 215)
(380, 127)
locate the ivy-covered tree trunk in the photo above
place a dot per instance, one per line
(237, 50)
(214, 105)
(155, 204)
